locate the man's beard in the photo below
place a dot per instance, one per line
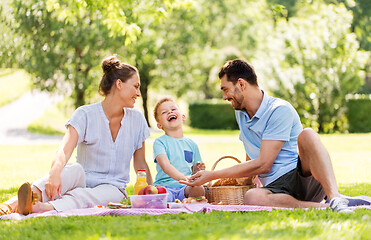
(237, 103)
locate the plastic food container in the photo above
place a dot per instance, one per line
(158, 201)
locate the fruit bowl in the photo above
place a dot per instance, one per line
(158, 201)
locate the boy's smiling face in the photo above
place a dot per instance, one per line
(169, 116)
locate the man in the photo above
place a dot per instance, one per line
(293, 165)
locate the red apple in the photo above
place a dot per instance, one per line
(161, 189)
(150, 190)
(141, 191)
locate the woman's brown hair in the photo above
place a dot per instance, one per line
(113, 69)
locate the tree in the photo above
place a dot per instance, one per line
(361, 26)
(63, 42)
(200, 39)
(316, 62)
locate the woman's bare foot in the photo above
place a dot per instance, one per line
(40, 207)
(38, 192)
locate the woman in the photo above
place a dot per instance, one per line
(108, 135)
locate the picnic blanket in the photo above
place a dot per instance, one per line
(186, 208)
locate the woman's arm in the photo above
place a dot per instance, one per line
(169, 169)
(141, 163)
(69, 142)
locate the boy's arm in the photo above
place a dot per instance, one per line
(169, 169)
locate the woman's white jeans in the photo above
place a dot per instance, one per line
(74, 192)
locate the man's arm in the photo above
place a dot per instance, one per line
(141, 163)
(269, 150)
(169, 169)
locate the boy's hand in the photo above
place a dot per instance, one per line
(198, 178)
(198, 167)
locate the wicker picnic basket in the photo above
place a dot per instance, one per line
(233, 193)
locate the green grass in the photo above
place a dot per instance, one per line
(278, 224)
(13, 84)
(351, 160)
(350, 155)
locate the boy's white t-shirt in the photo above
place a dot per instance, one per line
(106, 161)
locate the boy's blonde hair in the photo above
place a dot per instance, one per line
(158, 104)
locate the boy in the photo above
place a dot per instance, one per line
(176, 156)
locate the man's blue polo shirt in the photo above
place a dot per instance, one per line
(275, 119)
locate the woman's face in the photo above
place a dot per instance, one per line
(129, 91)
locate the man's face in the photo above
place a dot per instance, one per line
(231, 93)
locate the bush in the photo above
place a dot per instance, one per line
(359, 108)
(212, 114)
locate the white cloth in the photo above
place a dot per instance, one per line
(102, 169)
(106, 161)
(75, 195)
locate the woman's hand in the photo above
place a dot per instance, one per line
(53, 186)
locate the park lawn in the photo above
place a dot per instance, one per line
(278, 224)
(351, 156)
(13, 84)
(351, 161)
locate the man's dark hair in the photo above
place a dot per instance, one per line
(235, 69)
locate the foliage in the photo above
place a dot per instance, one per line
(361, 26)
(212, 114)
(358, 113)
(194, 51)
(63, 42)
(304, 51)
(315, 63)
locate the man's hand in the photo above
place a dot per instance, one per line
(53, 186)
(198, 178)
(198, 167)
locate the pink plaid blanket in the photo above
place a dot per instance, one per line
(186, 208)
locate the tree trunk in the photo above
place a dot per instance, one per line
(80, 97)
(206, 88)
(144, 93)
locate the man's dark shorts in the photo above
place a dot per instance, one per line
(298, 186)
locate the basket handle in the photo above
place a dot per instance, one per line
(224, 157)
(217, 161)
